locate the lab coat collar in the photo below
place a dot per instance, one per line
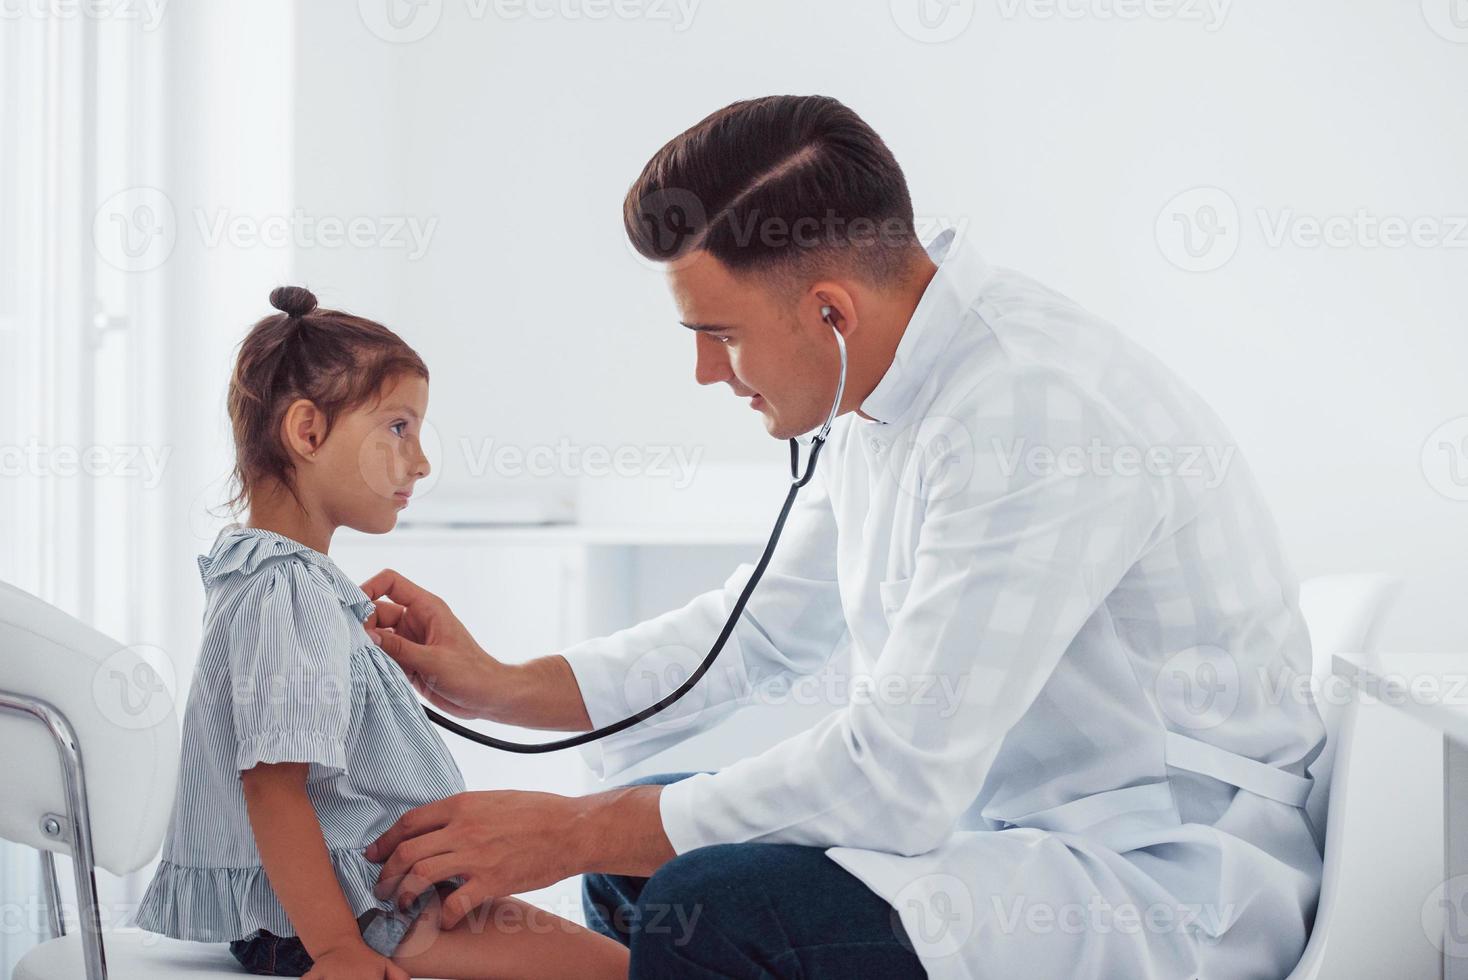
(958, 281)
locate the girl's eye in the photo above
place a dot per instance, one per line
(398, 427)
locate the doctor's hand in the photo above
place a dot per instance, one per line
(508, 841)
(418, 630)
(502, 842)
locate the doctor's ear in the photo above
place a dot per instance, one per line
(834, 306)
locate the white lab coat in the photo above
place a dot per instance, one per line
(1076, 739)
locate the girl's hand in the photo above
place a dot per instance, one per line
(355, 962)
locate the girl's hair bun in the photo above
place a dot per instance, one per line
(293, 300)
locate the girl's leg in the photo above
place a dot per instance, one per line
(508, 938)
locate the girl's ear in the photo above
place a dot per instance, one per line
(302, 429)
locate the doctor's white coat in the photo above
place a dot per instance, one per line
(1077, 734)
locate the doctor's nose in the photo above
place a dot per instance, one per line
(712, 362)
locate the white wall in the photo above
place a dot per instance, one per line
(1055, 141)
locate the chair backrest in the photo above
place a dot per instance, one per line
(1344, 614)
(126, 729)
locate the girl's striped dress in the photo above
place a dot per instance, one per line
(286, 674)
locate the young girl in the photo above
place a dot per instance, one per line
(303, 741)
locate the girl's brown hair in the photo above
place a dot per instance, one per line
(335, 360)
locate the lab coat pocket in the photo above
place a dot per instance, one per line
(893, 593)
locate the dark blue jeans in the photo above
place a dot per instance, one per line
(750, 912)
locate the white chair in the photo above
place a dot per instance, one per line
(89, 766)
(1344, 613)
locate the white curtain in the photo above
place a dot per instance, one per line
(81, 426)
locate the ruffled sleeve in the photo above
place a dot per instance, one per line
(289, 653)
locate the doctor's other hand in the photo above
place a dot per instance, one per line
(418, 630)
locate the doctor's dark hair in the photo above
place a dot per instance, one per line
(335, 360)
(790, 185)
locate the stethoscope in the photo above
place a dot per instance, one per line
(797, 480)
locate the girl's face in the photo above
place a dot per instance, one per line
(364, 471)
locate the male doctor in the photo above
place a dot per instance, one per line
(1076, 744)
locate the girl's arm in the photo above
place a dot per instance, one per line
(288, 835)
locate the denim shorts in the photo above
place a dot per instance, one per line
(266, 954)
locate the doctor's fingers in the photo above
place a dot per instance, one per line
(413, 657)
(401, 590)
(385, 612)
(465, 899)
(416, 822)
(402, 863)
(421, 877)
